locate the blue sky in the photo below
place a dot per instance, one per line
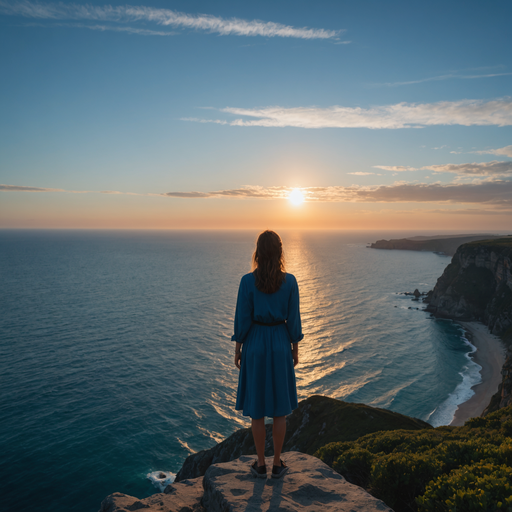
(380, 108)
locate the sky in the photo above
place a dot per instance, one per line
(164, 114)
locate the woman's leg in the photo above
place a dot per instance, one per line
(259, 434)
(278, 433)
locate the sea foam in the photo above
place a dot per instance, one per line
(471, 376)
(161, 479)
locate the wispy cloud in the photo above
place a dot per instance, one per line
(163, 17)
(449, 76)
(360, 173)
(493, 168)
(493, 193)
(490, 193)
(113, 28)
(506, 151)
(396, 168)
(19, 188)
(401, 115)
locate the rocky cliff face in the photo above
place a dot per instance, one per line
(317, 421)
(477, 285)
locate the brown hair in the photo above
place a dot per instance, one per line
(268, 262)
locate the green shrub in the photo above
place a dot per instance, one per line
(398, 478)
(454, 454)
(400, 441)
(330, 452)
(355, 465)
(481, 487)
(444, 469)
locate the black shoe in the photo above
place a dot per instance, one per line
(258, 471)
(279, 471)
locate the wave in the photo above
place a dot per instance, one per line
(471, 376)
(161, 479)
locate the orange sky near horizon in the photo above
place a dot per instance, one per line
(52, 210)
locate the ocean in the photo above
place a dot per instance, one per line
(116, 360)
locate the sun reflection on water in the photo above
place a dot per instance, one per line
(320, 352)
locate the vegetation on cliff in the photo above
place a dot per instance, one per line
(447, 469)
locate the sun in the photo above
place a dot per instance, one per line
(296, 197)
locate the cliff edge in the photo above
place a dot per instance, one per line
(310, 485)
(477, 285)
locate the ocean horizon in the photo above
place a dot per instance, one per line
(116, 359)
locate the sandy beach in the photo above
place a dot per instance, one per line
(490, 355)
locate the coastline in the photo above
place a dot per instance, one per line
(490, 355)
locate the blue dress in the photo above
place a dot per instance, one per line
(266, 385)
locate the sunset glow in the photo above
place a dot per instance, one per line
(296, 197)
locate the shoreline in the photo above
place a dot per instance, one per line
(490, 355)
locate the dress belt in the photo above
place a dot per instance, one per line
(271, 324)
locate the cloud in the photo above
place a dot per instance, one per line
(359, 173)
(395, 168)
(401, 115)
(491, 194)
(495, 193)
(19, 188)
(163, 17)
(448, 76)
(104, 28)
(506, 151)
(493, 168)
(244, 192)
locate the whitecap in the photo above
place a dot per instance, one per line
(444, 414)
(161, 479)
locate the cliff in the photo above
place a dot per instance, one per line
(310, 485)
(477, 285)
(441, 244)
(317, 421)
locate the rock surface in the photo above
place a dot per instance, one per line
(317, 421)
(181, 497)
(309, 486)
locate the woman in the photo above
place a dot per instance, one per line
(267, 324)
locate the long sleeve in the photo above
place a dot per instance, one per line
(243, 313)
(293, 321)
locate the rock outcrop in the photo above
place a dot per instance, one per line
(440, 244)
(477, 285)
(185, 496)
(317, 421)
(309, 486)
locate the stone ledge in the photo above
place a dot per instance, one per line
(308, 486)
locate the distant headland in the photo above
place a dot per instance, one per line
(441, 244)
